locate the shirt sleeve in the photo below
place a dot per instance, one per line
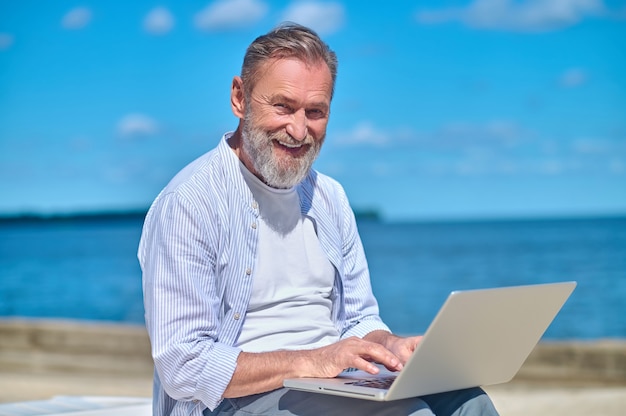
(361, 311)
(183, 310)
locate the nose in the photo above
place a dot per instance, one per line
(297, 126)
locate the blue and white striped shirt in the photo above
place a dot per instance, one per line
(197, 254)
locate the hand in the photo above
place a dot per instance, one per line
(265, 371)
(401, 347)
(351, 352)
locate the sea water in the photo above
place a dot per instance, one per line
(87, 269)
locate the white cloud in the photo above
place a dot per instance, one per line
(137, 125)
(6, 41)
(323, 17)
(450, 136)
(80, 144)
(617, 166)
(590, 146)
(573, 77)
(496, 133)
(497, 147)
(363, 134)
(527, 16)
(230, 14)
(158, 21)
(76, 18)
(550, 167)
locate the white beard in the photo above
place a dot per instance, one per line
(258, 146)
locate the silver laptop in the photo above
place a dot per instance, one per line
(478, 338)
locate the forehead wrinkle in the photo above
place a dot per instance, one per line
(280, 97)
(290, 87)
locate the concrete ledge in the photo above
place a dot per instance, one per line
(601, 361)
(67, 346)
(54, 346)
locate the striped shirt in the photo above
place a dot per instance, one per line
(197, 253)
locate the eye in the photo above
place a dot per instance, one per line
(283, 108)
(315, 113)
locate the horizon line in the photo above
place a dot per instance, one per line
(366, 214)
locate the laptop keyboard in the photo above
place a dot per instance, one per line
(377, 383)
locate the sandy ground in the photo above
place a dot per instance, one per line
(16, 387)
(556, 401)
(512, 399)
(41, 360)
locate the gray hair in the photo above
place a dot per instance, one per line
(287, 40)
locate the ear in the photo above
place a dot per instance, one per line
(237, 101)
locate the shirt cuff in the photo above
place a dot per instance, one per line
(365, 326)
(218, 373)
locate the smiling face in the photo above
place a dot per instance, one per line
(284, 120)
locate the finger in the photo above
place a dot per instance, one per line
(365, 365)
(407, 347)
(380, 354)
(416, 340)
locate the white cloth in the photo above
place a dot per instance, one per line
(290, 306)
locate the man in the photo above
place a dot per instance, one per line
(253, 267)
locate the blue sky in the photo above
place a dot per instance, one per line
(443, 109)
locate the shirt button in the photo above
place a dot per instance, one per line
(253, 225)
(255, 205)
(248, 271)
(236, 316)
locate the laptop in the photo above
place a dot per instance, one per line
(478, 338)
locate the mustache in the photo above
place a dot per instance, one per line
(286, 138)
